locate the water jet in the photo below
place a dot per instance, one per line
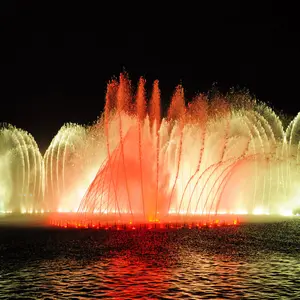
(217, 156)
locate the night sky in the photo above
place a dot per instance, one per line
(56, 60)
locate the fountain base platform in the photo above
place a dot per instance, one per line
(127, 222)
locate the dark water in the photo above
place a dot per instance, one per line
(257, 261)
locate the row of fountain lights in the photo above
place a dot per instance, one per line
(150, 226)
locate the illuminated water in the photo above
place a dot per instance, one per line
(215, 155)
(257, 261)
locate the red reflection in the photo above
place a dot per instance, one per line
(135, 277)
(144, 269)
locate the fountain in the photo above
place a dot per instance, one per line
(217, 156)
(21, 171)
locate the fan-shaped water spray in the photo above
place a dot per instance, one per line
(70, 166)
(21, 171)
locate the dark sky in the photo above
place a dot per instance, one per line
(56, 60)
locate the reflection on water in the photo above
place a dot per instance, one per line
(253, 261)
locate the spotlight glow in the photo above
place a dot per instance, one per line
(286, 213)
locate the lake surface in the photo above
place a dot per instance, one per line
(253, 261)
